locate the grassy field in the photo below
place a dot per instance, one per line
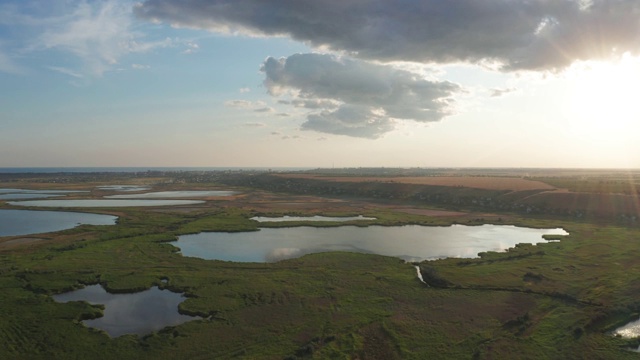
(550, 301)
(478, 182)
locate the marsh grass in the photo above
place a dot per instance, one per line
(554, 300)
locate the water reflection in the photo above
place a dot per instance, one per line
(139, 313)
(630, 330)
(411, 243)
(17, 194)
(23, 222)
(123, 188)
(103, 203)
(173, 194)
(27, 191)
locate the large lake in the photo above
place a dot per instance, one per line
(17, 194)
(104, 203)
(24, 222)
(411, 243)
(138, 313)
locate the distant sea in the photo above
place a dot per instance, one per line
(49, 170)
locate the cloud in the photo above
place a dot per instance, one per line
(511, 35)
(7, 65)
(140, 66)
(499, 92)
(97, 33)
(191, 48)
(242, 104)
(315, 103)
(255, 124)
(244, 90)
(66, 71)
(353, 97)
(257, 106)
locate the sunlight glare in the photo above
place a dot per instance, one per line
(604, 99)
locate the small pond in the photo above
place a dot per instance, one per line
(411, 243)
(138, 313)
(103, 203)
(173, 194)
(124, 188)
(24, 222)
(310, 218)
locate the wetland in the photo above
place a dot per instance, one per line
(561, 298)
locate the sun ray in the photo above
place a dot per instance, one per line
(604, 98)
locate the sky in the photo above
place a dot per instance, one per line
(307, 83)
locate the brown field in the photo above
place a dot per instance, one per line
(478, 182)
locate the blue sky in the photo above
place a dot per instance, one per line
(319, 84)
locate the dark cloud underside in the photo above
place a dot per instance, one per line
(516, 34)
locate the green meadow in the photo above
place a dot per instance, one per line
(557, 300)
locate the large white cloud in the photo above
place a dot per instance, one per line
(354, 97)
(513, 34)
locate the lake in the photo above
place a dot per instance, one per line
(18, 194)
(411, 242)
(174, 194)
(104, 203)
(22, 191)
(138, 313)
(24, 222)
(123, 188)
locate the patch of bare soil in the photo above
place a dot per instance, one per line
(19, 241)
(428, 212)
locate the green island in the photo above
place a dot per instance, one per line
(555, 300)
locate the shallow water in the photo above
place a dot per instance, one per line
(630, 330)
(411, 243)
(138, 313)
(103, 203)
(24, 222)
(123, 188)
(173, 194)
(28, 191)
(19, 196)
(309, 218)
